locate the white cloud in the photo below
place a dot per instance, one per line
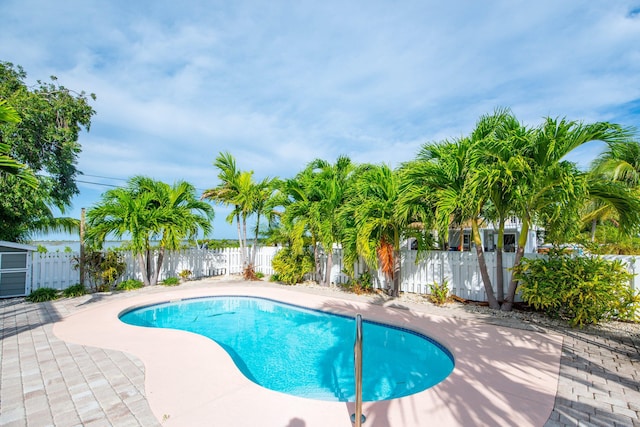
(278, 85)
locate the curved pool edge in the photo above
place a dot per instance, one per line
(431, 375)
(489, 386)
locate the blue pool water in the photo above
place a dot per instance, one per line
(305, 352)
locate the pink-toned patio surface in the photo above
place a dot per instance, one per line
(502, 376)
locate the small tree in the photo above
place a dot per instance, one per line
(146, 210)
(102, 269)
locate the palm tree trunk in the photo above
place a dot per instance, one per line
(499, 262)
(255, 244)
(396, 265)
(246, 254)
(148, 268)
(327, 274)
(156, 273)
(143, 267)
(513, 283)
(240, 237)
(594, 223)
(482, 263)
(316, 257)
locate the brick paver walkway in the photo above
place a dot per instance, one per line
(45, 381)
(599, 382)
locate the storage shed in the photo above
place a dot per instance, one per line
(15, 269)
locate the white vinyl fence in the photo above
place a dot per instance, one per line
(59, 269)
(459, 269)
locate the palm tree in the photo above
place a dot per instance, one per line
(145, 210)
(261, 206)
(330, 183)
(8, 164)
(493, 179)
(247, 197)
(375, 225)
(613, 179)
(550, 189)
(184, 214)
(441, 177)
(299, 198)
(226, 193)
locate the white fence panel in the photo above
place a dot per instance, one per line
(264, 256)
(54, 270)
(459, 269)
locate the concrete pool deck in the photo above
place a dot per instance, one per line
(71, 362)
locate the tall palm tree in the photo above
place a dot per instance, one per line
(330, 182)
(493, 179)
(444, 167)
(226, 192)
(145, 210)
(262, 206)
(236, 189)
(441, 177)
(299, 198)
(549, 188)
(247, 197)
(375, 224)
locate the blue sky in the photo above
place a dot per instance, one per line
(279, 83)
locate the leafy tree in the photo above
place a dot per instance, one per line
(373, 224)
(262, 194)
(493, 180)
(504, 169)
(300, 198)
(238, 189)
(551, 190)
(227, 192)
(147, 210)
(614, 187)
(330, 182)
(45, 139)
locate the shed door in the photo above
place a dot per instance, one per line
(13, 274)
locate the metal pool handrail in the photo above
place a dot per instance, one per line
(358, 418)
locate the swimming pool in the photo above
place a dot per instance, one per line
(304, 352)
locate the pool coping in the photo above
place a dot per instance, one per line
(502, 376)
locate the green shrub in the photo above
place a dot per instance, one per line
(363, 284)
(439, 292)
(290, 268)
(43, 294)
(185, 274)
(74, 291)
(129, 285)
(582, 290)
(102, 269)
(170, 281)
(259, 275)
